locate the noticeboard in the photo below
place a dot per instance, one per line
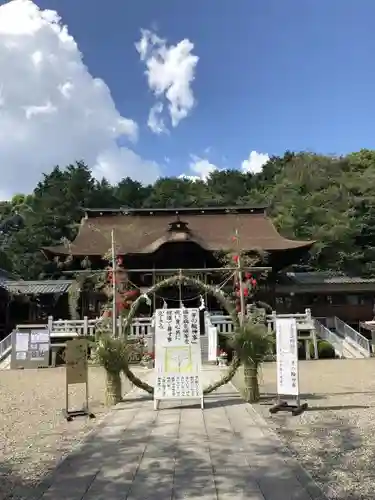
(177, 355)
(76, 361)
(30, 347)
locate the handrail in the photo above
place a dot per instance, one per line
(325, 334)
(5, 346)
(348, 332)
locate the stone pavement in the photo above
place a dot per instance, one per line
(226, 452)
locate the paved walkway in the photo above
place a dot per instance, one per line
(225, 452)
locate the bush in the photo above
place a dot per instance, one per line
(325, 350)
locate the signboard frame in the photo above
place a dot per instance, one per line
(178, 330)
(31, 346)
(287, 366)
(76, 372)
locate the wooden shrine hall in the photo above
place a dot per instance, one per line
(156, 243)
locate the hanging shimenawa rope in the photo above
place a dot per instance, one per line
(219, 295)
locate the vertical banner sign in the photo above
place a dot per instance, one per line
(287, 357)
(212, 343)
(178, 361)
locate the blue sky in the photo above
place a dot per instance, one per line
(272, 75)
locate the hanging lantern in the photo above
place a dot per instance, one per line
(235, 258)
(253, 282)
(246, 292)
(248, 276)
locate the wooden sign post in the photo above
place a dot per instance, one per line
(76, 373)
(287, 367)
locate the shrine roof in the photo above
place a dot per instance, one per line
(141, 231)
(39, 287)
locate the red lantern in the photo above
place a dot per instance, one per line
(254, 282)
(246, 292)
(235, 258)
(248, 276)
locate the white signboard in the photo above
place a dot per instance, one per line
(212, 343)
(287, 356)
(22, 342)
(178, 361)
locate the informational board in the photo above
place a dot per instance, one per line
(287, 357)
(178, 363)
(76, 365)
(30, 347)
(76, 361)
(212, 343)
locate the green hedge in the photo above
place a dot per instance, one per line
(325, 350)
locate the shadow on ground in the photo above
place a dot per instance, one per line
(330, 446)
(328, 440)
(159, 452)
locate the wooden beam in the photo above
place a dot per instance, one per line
(177, 271)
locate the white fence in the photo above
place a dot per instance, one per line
(141, 327)
(352, 336)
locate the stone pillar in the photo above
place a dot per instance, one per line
(315, 342)
(307, 348)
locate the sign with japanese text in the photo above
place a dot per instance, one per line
(287, 356)
(178, 360)
(212, 343)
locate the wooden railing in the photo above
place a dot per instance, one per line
(67, 327)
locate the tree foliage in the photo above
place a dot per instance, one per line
(310, 196)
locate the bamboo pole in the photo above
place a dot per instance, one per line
(114, 319)
(242, 296)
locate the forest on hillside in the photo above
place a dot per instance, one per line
(310, 196)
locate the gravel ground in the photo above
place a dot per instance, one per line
(34, 433)
(335, 438)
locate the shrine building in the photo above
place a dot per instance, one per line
(156, 243)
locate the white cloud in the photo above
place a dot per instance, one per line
(170, 73)
(155, 122)
(254, 164)
(52, 111)
(201, 167)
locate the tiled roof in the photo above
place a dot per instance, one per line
(145, 231)
(37, 287)
(319, 278)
